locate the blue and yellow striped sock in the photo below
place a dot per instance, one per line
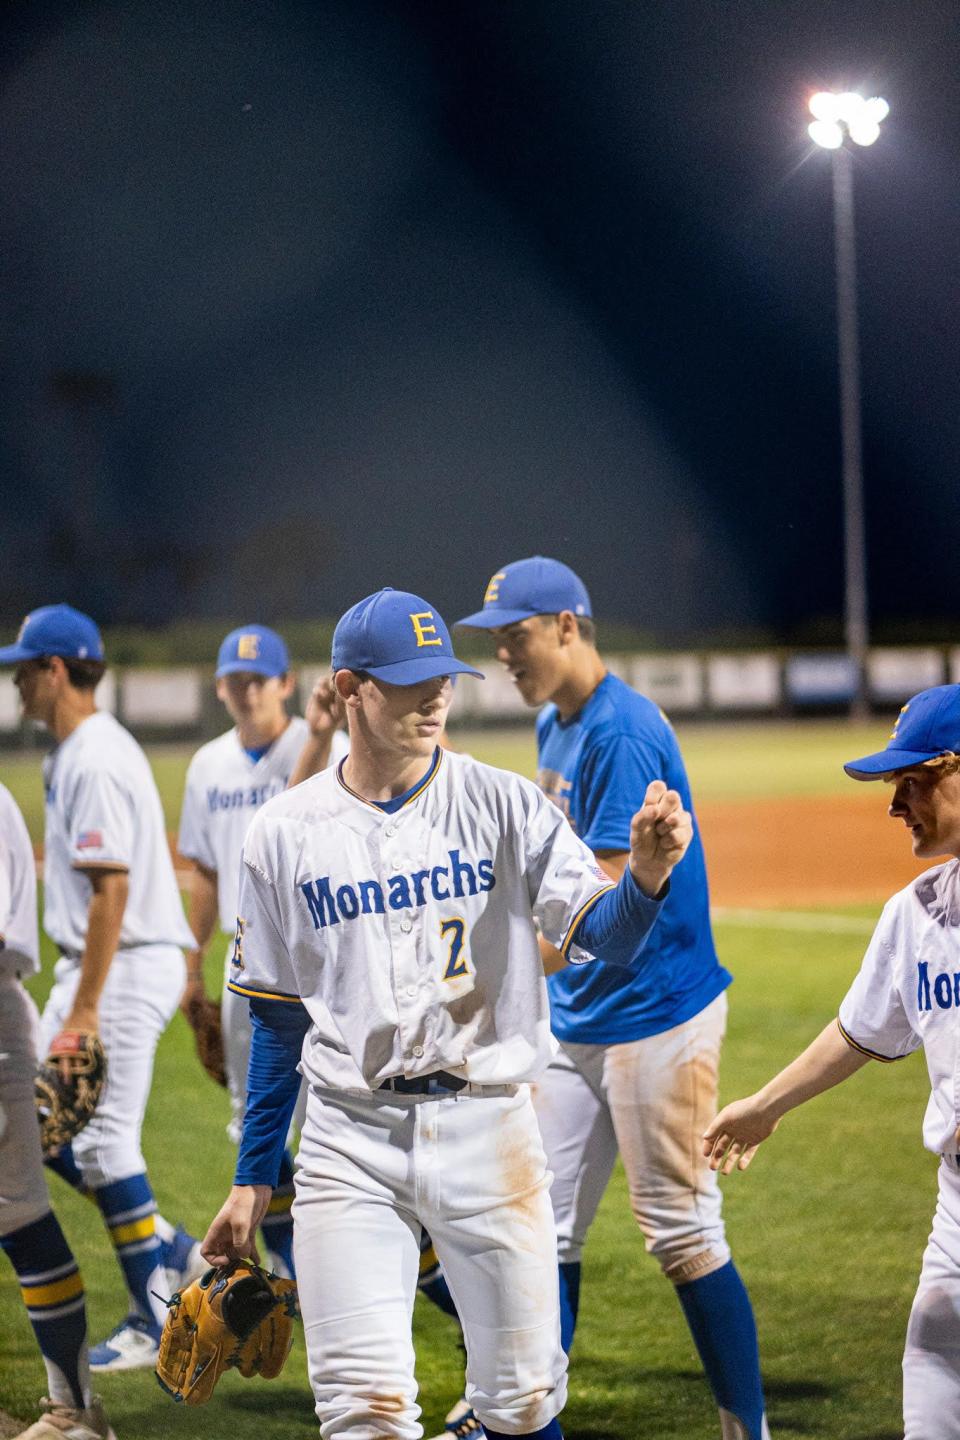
(52, 1290)
(277, 1224)
(128, 1208)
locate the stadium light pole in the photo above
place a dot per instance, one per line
(837, 119)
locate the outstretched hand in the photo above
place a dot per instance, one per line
(660, 833)
(731, 1140)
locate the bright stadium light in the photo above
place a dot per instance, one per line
(836, 118)
(826, 133)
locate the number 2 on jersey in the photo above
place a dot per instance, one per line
(455, 932)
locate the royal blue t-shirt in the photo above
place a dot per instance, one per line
(596, 766)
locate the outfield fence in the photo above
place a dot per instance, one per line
(180, 704)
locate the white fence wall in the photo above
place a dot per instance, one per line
(181, 702)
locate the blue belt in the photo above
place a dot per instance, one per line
(437, 1083)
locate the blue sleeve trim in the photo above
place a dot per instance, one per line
(616, 926)
(273, 1083)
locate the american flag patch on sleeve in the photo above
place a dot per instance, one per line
(90, 840)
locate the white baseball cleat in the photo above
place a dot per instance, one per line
(181, 1259)
(461, 1423)
(132, 1346)
(63, 1422)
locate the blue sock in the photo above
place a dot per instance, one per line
(128, 1208)
(550, 1431)
(277, 1224)
(64, 1165)
(569, 1301)
(720, 1317)
(432, 1281)
(52, 1291)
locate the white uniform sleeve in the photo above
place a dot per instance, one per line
(193, 840)
(261, 966)
(99, 821)
(563, 876)
(6, 889)
(872, 1015)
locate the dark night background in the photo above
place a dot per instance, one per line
(300, 299)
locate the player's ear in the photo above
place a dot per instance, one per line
(567, 627)
(288, 683)
(347, 685)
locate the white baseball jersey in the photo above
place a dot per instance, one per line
(907, 993)
(19, 942)
(224, 789)
(409, 936)
(103, 810)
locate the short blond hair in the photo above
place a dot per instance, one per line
(947, 764)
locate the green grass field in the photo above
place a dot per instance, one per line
(827, 1227)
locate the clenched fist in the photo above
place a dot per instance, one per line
(660, 833)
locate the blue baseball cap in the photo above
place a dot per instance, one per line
(254, 650)
(927, 726)
(395, 636)
(536, 586)
(54, 630)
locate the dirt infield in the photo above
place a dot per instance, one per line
(806, 852)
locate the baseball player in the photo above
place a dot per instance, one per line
(112, 907)
(906, 995)
(386, 939)
(30, 1233)
(636, 1070)
(227, 782)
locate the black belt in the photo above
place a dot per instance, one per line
(434, 1083)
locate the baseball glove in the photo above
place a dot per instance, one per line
(203, 1016)
(65, 1105)
(237, 1317)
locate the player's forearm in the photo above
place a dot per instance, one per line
(202, 916)
(314, 757)
(277, 1031)
(617, 927)
(828, 1061)
(104, 923)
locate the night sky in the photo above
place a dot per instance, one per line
(300, 299)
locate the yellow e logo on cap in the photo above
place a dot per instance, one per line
(248, 647)
(422, 631)
(493, 589)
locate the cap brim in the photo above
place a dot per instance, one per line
(248, 667)
(412, 672)
(13, 654)
(871, 767)
(491, 618)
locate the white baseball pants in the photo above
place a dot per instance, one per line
(235, 1026)
(651, 1100)
(931, 1357)
(141, 994)
(23, 1188)
(373, 1169)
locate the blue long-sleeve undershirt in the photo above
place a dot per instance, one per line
(615, 929)
(273, 1082)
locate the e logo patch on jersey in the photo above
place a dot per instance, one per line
(422, 631)
(248, 647)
